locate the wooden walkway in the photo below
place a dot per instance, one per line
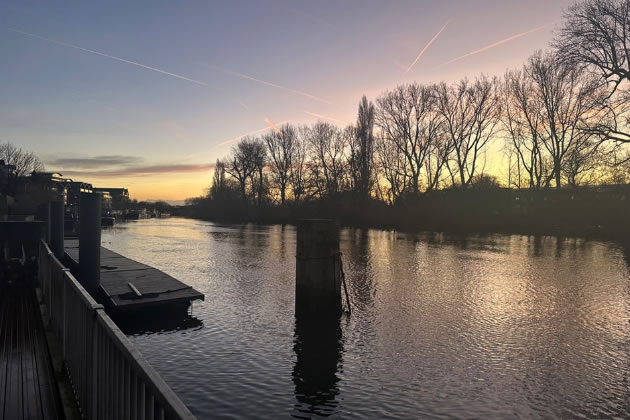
(129, 285)
(27, 384)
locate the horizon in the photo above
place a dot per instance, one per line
(161, 94)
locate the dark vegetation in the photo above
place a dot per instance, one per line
(598, 212)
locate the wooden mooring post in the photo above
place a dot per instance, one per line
(56, 228)
(90, 242)
(318, 269)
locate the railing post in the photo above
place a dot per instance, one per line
(49, 282)
(64, 333)
(40, 252)
(94, 370)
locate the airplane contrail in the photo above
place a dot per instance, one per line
(253, 79)
(323, 117)
(496, 44)
(251, 133)
(112, 57)
(426, 47)
(273, 126)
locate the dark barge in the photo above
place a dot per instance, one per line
(130, 285)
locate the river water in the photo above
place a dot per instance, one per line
(442, 326)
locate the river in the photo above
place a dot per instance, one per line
(443, 326)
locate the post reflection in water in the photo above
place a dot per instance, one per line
(318, 348)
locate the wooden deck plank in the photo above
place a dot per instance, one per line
(27, 385)
(29, 368)
(4, 331)
(146, 281)
(13, 407)
(174, 297)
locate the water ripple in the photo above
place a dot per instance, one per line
(493, 326)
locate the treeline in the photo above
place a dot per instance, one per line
(560, 121)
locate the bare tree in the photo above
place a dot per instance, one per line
(393, 167)
(409, 118)
(297, 176)
(328, 157)
(25, 162)
(281, 145)
(240, 165)
(257, 177)
(436, 160)
(471, 113)
(567, 99)
(583, 164)
(218, 179)
(596, 35)
(362, 148)
(522, 120)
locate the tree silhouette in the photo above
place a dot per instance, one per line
(24, 161)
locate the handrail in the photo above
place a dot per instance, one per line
(110, 378)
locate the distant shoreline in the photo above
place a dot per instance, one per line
(597, 213)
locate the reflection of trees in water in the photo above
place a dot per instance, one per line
(283, 241)
(357, 260)
(626, 255)
(252, 243)
(555, 246)
(279, 237)
(318, 347)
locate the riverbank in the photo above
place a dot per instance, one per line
(602, 212)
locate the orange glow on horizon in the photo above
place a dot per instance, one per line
(170, 187)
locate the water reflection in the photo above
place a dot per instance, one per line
(155, 322)
(626, 254)
(357, 258)
(318, 347)
(443, 326)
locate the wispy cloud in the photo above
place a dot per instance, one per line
(251, 133)
(111, 166)
(496, 44)
(111, 57)
(426, 47)
(94, 162)
(273, 85)
(139, 170)
(324, 117)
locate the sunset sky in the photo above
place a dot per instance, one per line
(147, 95)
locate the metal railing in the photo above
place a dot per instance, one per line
(110, 378)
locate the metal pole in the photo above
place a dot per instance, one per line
(90, 242)
(56, 228)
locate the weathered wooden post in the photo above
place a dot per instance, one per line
(43, 214)
(56, 228)
(318, 269)
(90, 241)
